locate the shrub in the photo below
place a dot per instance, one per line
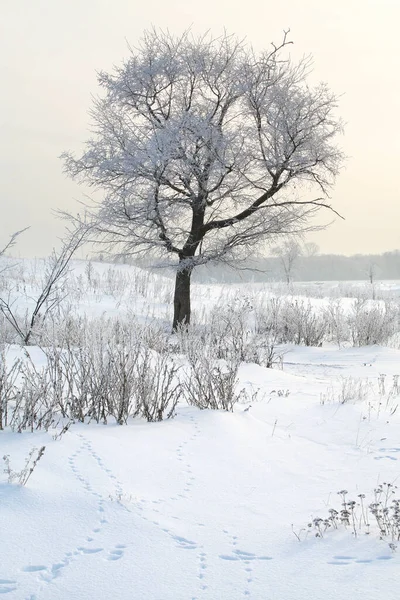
(156, 387)
(21, 477)
(302, 323)
(211, 382)
(107, 372)
(372, 322)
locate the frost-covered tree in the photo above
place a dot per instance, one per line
(288, 253)
(310, 249)
(203, 149)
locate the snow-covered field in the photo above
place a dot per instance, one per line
(210, 505)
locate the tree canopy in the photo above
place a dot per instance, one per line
(204, 148)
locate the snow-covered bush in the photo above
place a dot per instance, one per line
(229, 330)
(268, 328)
(101, 378)
(113, 373)
(104, 370)
(244, 333)
(8, 388)
(372, 322)
(156, 387)
(337, 324)
(302, 323)
(211, 382)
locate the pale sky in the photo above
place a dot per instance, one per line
(50, 51)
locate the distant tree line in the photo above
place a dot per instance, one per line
(325, 267)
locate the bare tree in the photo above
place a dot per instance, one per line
(51, 294)
(203, 149)
(372, 274)
(310, 249)
(288, 253)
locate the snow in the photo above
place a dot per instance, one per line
(202, 506)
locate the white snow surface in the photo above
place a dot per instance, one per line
(201, 507)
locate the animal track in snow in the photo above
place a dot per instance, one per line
(56, 568)
(117, 552)
(46, 575)
(387, 453)
(187, 468)
(247, 559)
(341, 560)
(33, 568)
(183, 542)
(7, 586)
(244, 556)
(142, 507)
(202, 570)
(89, 550)
(86, 448)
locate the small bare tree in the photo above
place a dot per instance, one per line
(51, 294)
(310, 249)
(288, 253)
(204, 149)
(372, 273)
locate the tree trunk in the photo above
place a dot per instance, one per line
(182, 298)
